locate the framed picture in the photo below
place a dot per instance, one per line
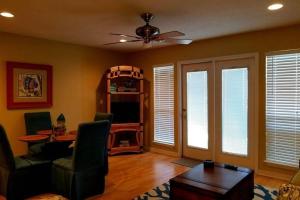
(28, 85)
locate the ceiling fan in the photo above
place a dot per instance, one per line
(148, 33)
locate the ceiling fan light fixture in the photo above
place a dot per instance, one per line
(147, 45)
(148, 34)
(275, 6)
(7, 14)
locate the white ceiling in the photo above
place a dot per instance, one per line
(89, 22)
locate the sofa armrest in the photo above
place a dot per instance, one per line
(296, 179)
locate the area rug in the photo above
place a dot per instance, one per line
(187, 162)
(162, 193)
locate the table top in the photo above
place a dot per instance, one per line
(64, 138)
(33, 138)
(216, 177)
(49, 132)
(73, 132)
(44, 132)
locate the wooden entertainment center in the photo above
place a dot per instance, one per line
(125, 100)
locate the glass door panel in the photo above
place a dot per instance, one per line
(197, 109)
(235, 111)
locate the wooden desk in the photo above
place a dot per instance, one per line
(33, 138)
(74, 132)
(65, 138)
(45, 132)
(213, 183)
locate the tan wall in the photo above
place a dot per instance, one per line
(260, 42)
(77, 71)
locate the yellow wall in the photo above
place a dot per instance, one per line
(77, 71)
(253, 42)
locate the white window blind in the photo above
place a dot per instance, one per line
(282, 109)
(163, 104)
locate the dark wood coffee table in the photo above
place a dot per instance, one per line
(218, 182)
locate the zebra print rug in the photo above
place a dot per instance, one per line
(162, 193)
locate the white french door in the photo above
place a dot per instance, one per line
(198, 109)
(218, 111)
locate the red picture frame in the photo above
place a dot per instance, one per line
(28, 85)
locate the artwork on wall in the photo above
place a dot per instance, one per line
(28, 85)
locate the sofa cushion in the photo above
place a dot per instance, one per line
(289, 192)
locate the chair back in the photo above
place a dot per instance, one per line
(6, 155)
(37, 121)
(89, 150)
(104, 116)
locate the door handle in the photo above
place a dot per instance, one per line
(184, 113)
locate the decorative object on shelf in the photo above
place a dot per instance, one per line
(124, 143)
(60, 128)
(125, 100)
(28, 85)
(113, 87)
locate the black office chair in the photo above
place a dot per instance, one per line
(21, 177)
(35, 122)
(105, 116)
(83, 174)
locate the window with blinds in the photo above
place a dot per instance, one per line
(163, 85)
(282, 108)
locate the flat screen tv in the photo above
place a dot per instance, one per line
(125, 112)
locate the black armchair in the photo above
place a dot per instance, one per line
(105, 116)
(21, 177)
(83, 174)
(35, 122)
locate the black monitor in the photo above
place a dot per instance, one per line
(125, 112)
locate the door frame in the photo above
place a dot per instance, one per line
(179, 97)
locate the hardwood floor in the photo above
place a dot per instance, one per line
(131, 175)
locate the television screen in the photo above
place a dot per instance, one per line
(125, 112)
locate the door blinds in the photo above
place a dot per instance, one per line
(163, 104)
(282, 109)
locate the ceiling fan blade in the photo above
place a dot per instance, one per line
(124, 35)
(122, 42)
(178, 41)
(169, 34)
